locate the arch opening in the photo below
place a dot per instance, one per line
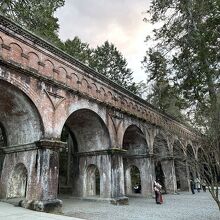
(17, 186)
(84, 132)
(132, 180)
(160, 147)
(135, 180)
(92, 181)
(19, 116)
(134, 141)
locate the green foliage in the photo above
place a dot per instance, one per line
(108, 61)
(78, 49)
(188, 37)
(36, 15)
(162, 95)
(105, 59)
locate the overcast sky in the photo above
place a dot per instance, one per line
(118, 21)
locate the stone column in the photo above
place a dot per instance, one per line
(147, 177)
(153, 174)
(117, 176)
(46, 180)
(169, 173)
(184, 179)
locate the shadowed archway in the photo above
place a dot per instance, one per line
(84, 132)
(92, 181)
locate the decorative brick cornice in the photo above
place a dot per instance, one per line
(15, 31)
(112, 151)
(6, 47)
(41, 144)
(50, 144)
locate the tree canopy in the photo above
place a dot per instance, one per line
(107, 60)
(36, 15)
(188, 38)
(78, 49)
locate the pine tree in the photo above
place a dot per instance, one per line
(108, 61)
(78, 50)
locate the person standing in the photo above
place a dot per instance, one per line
(192, 186)
(158, 195)
(204, 186)
(198, 185)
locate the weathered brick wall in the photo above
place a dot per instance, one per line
(25, 51)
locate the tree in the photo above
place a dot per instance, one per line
(188, 37)
(108, 61)
(162, 95)
(79, 50)
(36, 15)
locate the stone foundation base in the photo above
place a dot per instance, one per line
(120, 201)
(54, 206)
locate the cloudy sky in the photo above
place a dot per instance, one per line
(118, 21)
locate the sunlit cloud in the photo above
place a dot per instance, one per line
(118, 21)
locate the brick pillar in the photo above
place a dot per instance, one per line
(184, 178)
(147, 177)
(46, 180)
(169, 173)
(117, 176)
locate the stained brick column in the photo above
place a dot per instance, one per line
(117, 176)
(169, 173)
(147, 177)
(46, 180)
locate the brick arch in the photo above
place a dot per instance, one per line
(90, 131)
(190, 150)
(81, 104)
(33, 97)
(178, 150)
(177, 140)
(134, 140)
(33, 60)
(90, 180)
(15, 52)
(102, 94)
(61, 74)
(160, 143)
(123, 127)
(94, 89)
(109, 97)
(130, 181)
(72, 80)
(85, 87)
(48, 68)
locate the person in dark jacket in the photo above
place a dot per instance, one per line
(192, 186)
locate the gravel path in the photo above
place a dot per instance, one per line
(183, 206)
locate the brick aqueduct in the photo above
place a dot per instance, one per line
(64, 128)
